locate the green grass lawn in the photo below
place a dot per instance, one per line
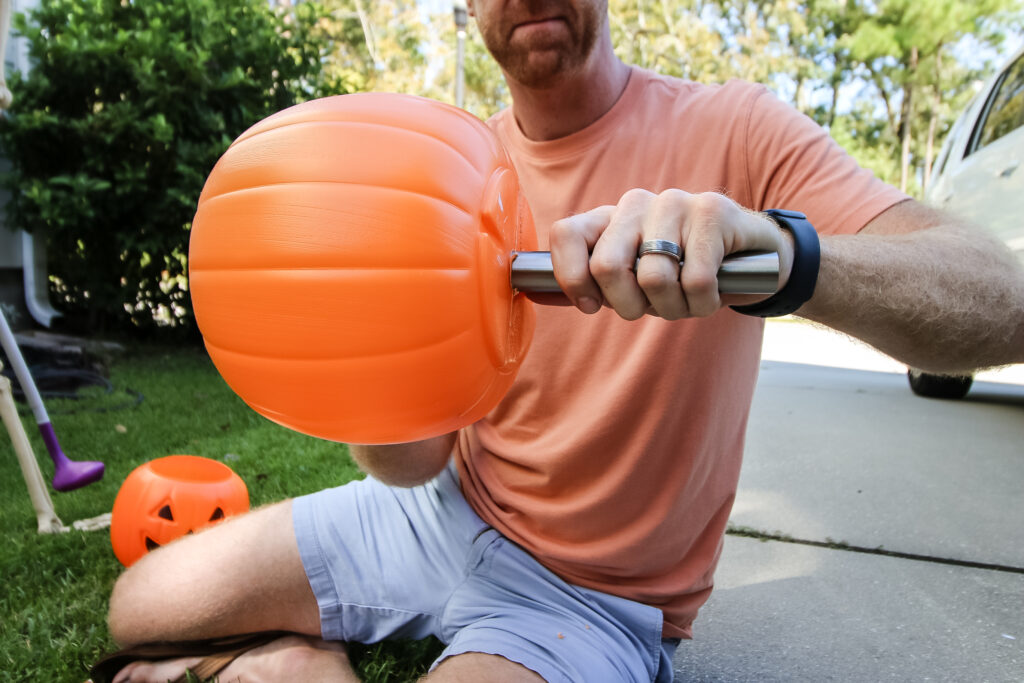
(53, 600)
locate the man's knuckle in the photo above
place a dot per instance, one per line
(702, 284)
(707, 205)
(562, 231)
(603, 267)
(635, 196)
(674, 197)
(657, 282)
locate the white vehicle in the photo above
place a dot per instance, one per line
(978, 176)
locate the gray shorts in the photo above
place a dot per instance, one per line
(410, 563)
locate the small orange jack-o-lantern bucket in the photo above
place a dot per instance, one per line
(169, 497)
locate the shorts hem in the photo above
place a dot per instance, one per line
(314, 562)
(534, 664)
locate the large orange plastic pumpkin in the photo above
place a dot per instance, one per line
(166, 498)
(349, 268)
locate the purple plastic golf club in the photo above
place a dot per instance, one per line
(68, 474)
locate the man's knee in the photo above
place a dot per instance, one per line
(124, 608)
(477, 666)
(139, 597)
(242, 575)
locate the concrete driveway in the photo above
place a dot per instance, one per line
(876, 535)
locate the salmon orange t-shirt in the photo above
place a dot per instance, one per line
(614, 458)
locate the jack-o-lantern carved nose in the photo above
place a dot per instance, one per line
(166, 513)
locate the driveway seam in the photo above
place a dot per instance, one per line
(748, 532)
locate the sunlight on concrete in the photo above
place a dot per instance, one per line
(792, 341)
(797, 563)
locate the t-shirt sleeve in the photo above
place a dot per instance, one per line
(792, 163)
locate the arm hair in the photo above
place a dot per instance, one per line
(925, 288)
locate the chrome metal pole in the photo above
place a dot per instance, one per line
(746, 273)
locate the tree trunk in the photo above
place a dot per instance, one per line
(641, 22)
(364, 21)
(933, 121)
(907, 115)
(835, 102)
(929, 150)
(879, 83)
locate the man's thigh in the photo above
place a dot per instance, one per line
(511, 606)
(242, 575)
(383, 561)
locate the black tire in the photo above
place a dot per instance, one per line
(939, 386)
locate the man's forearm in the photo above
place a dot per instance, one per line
(945, 299)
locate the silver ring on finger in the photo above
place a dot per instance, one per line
(660, 247)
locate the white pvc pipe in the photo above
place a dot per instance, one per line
(5, 29)
(35, 401)
(46, 516)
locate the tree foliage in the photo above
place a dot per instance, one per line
(903, 50)
(396, 46)
(375, 45)
(127, 107)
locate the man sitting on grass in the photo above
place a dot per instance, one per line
(572, 535)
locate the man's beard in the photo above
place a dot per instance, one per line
(538, 61)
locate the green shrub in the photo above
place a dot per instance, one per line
(127, 107)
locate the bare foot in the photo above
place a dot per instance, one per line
(291, 658)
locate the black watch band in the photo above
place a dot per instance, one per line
(804, 274)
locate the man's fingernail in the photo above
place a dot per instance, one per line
(588, 305)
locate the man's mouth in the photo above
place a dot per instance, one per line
(535, 26)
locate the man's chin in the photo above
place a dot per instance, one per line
(543, 70)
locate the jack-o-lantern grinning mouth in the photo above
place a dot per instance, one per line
(165, 513)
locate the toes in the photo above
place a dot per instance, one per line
(155, 672)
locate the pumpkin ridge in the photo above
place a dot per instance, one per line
(356, 122)
(416, 349)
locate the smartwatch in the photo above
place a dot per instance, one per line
(804, 274)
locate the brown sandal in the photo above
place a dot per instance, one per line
(217, 653)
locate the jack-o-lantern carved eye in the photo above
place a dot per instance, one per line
(162, 513)
(217, 514)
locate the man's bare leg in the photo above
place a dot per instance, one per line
(240, 576)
